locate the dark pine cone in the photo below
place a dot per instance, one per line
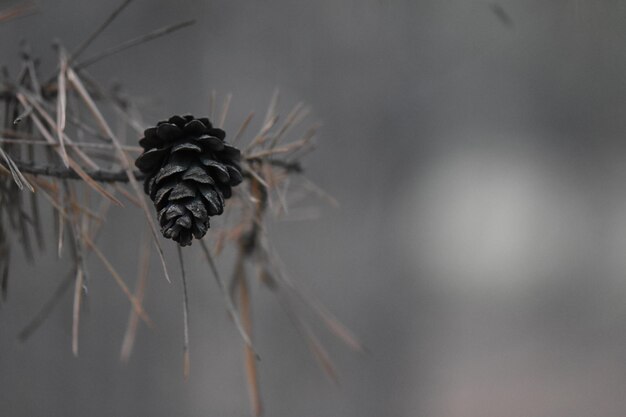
(190, 170)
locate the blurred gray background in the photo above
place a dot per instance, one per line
(479, 251)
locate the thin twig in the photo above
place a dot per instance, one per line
(102, 175)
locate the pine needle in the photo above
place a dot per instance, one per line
(78, 290)
(17, 175)
(61, 222)
(25, 99)
(243, 128)
(16, 11)
(321, 192)
(119, 280)
(322, 356)
(94, 184)
(316, 347)
(250, 357)
(133, 42)
(271, 109)
(225, 108)
(297, 114)
(81, 48)
(332, 323)
(230, 306)
(186, 363)
(62, 105)
(124, 160)
(46, 309)
(134, 200)
(133, 320)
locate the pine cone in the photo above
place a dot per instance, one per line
(190, 170)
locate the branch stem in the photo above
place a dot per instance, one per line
(102, 175)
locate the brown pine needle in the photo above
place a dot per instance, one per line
(185, 316)
(81, 48)
(124, 160)
(133, 319)
(5, 171)
(133, 42)
(225, 108)
(94, 184)
(25, 99)
(322, 356)
(46, 309)
(278, 150)
(260, 137)
(316, 347)
(258, 178)
(297, 114)
(128, 195)
(16, 11)
(333, 325)
(62, 104)
(17, 175)
(282, 197)
(243, 128)
(59, 207)
(120, 281)
(220, 241)
(78, 290)
(337, 328)
(250, 357)
(271, 109)
(61, 222)
(321, 192)
(229, 302)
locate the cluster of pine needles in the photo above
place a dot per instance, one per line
(58, 147)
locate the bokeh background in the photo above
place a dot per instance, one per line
(477, 151)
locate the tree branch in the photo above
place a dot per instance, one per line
(68, 173)
(120, 175)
